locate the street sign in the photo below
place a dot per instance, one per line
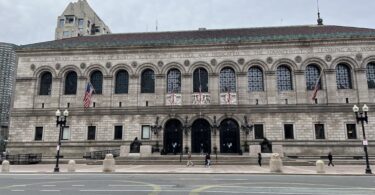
(365, 142)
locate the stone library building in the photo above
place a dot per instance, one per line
(221, 90)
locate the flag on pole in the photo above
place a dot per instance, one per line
(88, 94)
(316, 88)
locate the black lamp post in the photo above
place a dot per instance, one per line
(60, 121)
(363, 119)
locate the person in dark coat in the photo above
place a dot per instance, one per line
(208, 160)
(260, 159)
(330, 158)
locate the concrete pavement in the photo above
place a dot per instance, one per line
(215, 169)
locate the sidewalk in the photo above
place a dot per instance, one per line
(181, 169)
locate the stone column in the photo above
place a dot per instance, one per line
(134, 88)
(160, 89)
(214, 88)
(186, 89)
(300, 87)
(271, 87)
(331, 85)
(361, 85)
(242, 89)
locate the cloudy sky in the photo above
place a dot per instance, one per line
(30, 21)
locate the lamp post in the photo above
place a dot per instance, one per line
(60, 121)
(363, 119)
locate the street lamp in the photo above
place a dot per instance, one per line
(60, 121)
(362, 118)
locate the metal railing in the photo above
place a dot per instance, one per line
(98, 155)
(23, 158)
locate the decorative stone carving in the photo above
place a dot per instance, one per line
(298, 59)
(213, 62)
(57, 66)
(173, 99)
(201, 98)
(134, 64)
(359, 57)
(241, 61)
(328, 58)
(160, 63)
(108, 65)
(32, 67)
(186, 62)
(269, 60)
(83, 65)
(266, 146)
(135, 146)
(228, 98)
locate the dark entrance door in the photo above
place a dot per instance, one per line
(229, 136)
(201, 136)
(173, 136)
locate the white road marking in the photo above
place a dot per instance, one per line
(18, 190)
(18, 186)
(50, 190)
(48, 185)
(78, 185)
(140, 185)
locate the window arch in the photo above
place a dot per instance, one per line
(227, 80)
(148, 81)
(343, 77)
(371, 75)
(200, 80)
(96, 80)
(255, 79)
(174, 81)
(312, 74)
(71, 83)
(122, 82)
(284, 78)
(45, 84)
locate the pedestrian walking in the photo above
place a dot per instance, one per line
(189, 162)
(260, 159)
(208, 160)
(330, 158)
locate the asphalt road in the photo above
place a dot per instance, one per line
(191, 184)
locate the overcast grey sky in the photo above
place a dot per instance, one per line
(30, 21)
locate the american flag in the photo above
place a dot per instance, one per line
(88, 93)
(316, 88)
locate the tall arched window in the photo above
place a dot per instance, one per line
(227, 80)
(122, 82)
(312, 74)
(200, 80)
(71, 83)
(255, 79)
(343, 77)
(45, 84)
(96, 80)
(284, 78)
(148, 81)
(371, 75)
(174, 81)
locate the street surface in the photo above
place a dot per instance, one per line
(189, 184)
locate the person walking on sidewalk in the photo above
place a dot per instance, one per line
(208, 160)
(260, 159)
(189, 162)
(330, 158)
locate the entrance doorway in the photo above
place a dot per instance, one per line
(229, 136)
(201, 136)
(173, 137)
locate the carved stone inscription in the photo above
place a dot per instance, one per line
(220, 54)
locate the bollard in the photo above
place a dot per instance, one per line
(320, 166)
(72, 166)
(109, 163)
(5, 166)
(276, 164)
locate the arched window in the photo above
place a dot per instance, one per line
(45, 84)
(96, 80)
(148, 81)
(174, 81)
(371, 75)
(255, 79)
(122, 82)
(343, 77)
(284, 78)
(200, 80)
(312, 74)
(71, 83)
(227, 80)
